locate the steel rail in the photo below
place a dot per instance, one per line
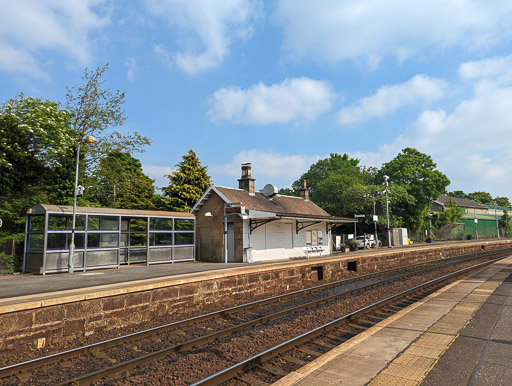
(258, 359)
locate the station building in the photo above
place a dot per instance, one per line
(261, 226)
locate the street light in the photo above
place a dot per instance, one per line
(386, 178)
(86, 139)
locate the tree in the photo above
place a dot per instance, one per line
(186, 185)
(417, 173)
(506, 223)
(94, 109)
(458, 194)
(481, 197)
(327, 181)
(35, 140)
(502, 201)
(121, 183)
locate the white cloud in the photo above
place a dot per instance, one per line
(292, 100)
(29, 27)
(267, 167)
(369, 30)
(470, 145)
(157, 173)
(419, 89)
(492, 69)
(207, 28)
(131, 64)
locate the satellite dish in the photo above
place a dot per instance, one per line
(270, 190)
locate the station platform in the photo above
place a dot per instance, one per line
(459, 335)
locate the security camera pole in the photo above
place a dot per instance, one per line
(86, 139)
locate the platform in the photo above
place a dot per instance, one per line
(459, 335)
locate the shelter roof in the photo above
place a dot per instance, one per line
(42, 208)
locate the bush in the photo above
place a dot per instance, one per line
(7, 263)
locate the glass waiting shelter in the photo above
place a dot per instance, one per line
(105, 238)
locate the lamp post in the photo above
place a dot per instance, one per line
(386, 179)
(496, 217)
(86, 139)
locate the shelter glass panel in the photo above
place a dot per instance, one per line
(184, 225)
(138, 224)
(183, 253)
(36, 223)
(138, 239)
(102, 240)
(103, 223)
(62, 240)
(182, 238)
(59, 260)
(160, 254)
(161, 238)
(35, 242)
(62, 222)
(161, 224)
(98, 258)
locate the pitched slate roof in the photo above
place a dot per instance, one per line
(283, 206)
(462, 202)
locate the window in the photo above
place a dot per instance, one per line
(103, 223)
(138, 239)
(61, 222)
(181, 238)
(138, 224)
(36, 223)
(161, 224)
(184, 225)
(62, 240)
(35, 242)
(161, 238)
(102, 240)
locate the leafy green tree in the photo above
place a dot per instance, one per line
(417, 173)
(506, 223)
(327, 181)
(121, 183)
(35, 140)
(458, 194)
(481, 197)
(186, 184)
(93, 109)
(502, 201)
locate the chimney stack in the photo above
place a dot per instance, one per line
(304, 192)
(246, 182)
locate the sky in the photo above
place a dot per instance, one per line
(284, 83)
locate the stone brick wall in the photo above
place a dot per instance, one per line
(65, 320)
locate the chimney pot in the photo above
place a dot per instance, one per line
(247, 182)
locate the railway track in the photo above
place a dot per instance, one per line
(199, 342)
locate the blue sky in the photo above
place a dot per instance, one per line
(284, 83)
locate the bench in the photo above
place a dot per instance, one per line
(308, 250)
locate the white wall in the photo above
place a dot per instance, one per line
(278, 240)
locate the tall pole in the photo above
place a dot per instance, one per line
(496, 217)
(225, 236)
(386, 178)
(374, 214)
(72, 244)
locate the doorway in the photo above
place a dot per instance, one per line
(231, 242)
